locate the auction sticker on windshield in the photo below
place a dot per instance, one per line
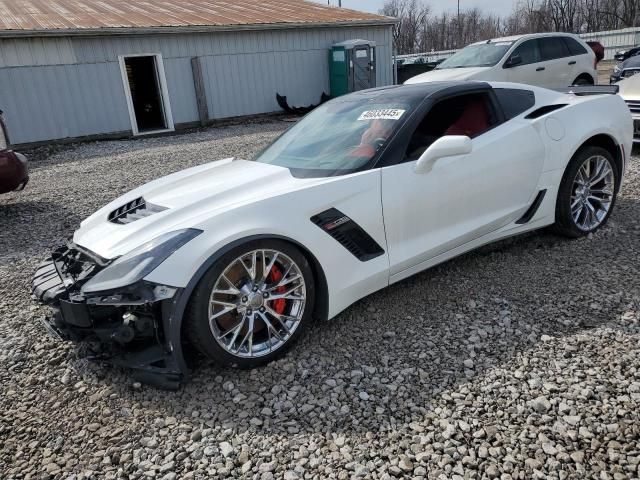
(386, 114)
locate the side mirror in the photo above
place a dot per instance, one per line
(513, 61)
(449, 146)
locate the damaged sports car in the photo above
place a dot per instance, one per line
(235, 258)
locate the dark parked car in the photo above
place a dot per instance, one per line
(14, 173)
(411, 67)
(623, 55)
(626, 69)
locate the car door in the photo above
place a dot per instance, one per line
(555, 61)
(579, 60)
(464, 197)
(523, 65)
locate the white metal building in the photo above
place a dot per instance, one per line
(96, 68)
(615, 40)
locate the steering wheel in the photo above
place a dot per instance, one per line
(378, 142)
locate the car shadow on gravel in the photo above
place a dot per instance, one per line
(381, 361)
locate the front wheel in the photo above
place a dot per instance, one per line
(587, 193)
(252, 305)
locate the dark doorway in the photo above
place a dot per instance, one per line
(142, 75)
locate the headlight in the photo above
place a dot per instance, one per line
(617, 69)
(139, 262)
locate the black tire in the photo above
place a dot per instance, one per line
(196, 327)
(583, 81)
(565, 224)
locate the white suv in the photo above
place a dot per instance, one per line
(551, 60)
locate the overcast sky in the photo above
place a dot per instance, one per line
(495, 6)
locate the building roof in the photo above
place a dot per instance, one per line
(66, 17)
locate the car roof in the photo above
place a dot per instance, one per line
(414, 92)
(515, 38)
(417, 90)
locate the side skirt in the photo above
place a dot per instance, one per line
(506, 232)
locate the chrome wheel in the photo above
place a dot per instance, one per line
(257, 303)
(592, 193)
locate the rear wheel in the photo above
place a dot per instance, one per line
(587, 193)
(583, 80)
(252, 305)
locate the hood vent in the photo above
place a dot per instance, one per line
(134, 210)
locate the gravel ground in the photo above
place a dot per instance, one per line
(520, 360)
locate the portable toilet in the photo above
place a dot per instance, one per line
(352, 66)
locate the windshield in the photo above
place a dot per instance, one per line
(339, 137)
(478, 55)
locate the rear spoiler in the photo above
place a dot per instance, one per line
(582, 90)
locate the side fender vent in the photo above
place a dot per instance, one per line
(134, 210)
(545, 110)
(349, 234)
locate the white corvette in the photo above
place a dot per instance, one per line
(235, 257)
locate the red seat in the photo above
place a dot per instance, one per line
(472, 122)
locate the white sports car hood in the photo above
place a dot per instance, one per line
(182, 200)
(445, 74)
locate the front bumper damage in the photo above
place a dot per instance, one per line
(136, 327)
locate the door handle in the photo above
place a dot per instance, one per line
(572, 62)
(539, 69)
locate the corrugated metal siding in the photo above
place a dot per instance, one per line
(107, 49)
(243, 71)
(17, 52)
(615, 40)
(181, 90)
(55, 102)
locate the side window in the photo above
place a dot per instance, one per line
(515, 101)
(574, 46)
(469, 115)
(552, 48)
(528, 52)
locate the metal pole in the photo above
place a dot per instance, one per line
(459, 27)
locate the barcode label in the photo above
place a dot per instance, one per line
(387, 114)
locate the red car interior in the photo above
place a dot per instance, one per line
(472, 122)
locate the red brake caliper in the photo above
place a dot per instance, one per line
(275, 276)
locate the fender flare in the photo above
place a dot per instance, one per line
(172, 322)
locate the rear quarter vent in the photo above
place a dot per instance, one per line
(539, 112)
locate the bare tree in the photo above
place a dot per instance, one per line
(418, 30)
(412, 15)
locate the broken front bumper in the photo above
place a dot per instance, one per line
(136, 327)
